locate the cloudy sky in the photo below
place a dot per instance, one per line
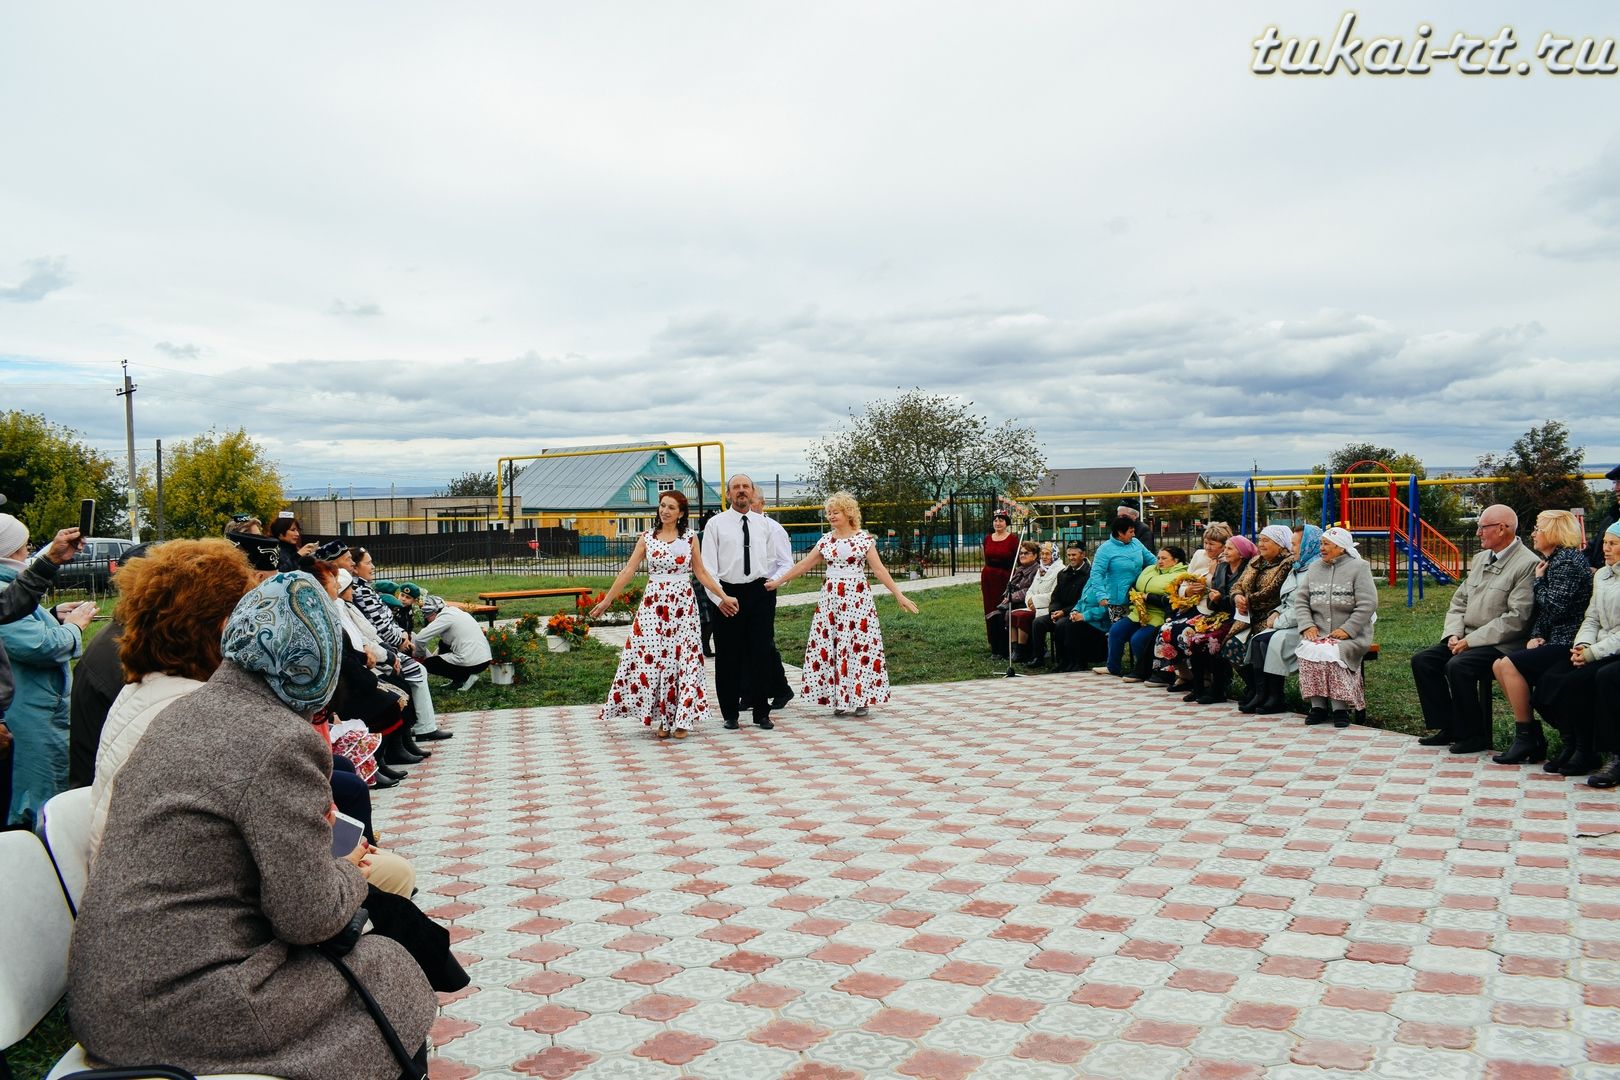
(395, 241)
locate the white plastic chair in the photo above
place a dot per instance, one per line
(36, 931)
(64, 824)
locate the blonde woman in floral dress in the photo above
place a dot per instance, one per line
(660, 676)
(843, 660)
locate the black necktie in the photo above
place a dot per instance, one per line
(748, 563)
(1488, 562)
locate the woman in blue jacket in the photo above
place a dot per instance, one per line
(1114, 570)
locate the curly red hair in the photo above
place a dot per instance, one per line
(173, 604)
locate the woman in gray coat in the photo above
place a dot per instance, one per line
(1334, 607)
(195, 945)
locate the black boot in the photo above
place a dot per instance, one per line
(1556, 762)
(1606, 777)
(1020, 653)
(1219, 683)
(1341, 717)
(382, 782)
(407, 742)
(1199, 662)
(1255, 690)
(1317, 715)
(395, 754)
(1273, 701)
(384, 769)
(1580, 761)
(1529, 746)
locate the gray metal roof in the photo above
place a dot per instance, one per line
(1086, 481)
(589, 483)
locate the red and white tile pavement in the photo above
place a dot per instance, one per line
(1050, 877)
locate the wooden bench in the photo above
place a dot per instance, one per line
(491, 600)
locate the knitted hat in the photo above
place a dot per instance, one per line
(13, 535)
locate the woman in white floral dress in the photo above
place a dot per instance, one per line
(660, 676)
(844, 665)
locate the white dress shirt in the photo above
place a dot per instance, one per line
(781, 549)
(723, 549)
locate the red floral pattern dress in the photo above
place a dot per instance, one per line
(843, 660)
(660, 676)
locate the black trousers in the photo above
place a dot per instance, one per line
(1579, 701)
(746, 661)
(1078, 643)
(438, 665)
(350, 794)
(1448, 689)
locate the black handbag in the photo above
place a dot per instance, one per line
(337, 948)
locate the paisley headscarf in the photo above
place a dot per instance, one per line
(1310, 547)
(285, 632)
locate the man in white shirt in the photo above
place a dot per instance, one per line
(463, 648)
(737, 551)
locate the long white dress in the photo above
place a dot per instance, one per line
(660, 675)
(843, 659)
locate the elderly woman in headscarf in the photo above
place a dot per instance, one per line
(1282, 640)
(1334, 606)
(1206, 632)
(1256, 597)
(216, 878)
(1581, 697)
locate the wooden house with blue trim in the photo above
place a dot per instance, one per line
(609, 494)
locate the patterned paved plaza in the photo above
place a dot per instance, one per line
(1050, 877)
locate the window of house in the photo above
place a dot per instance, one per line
(665, 485)
(663, 458)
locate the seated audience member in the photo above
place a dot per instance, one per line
(289, 537)
(1276, 651)
(1186, 596)
(18, 600)
(1562, 590)
(1489, 616)
(463, 648)
(1037, 602)
(411, 677)
(172, 606)
(1119, 561)
(34, 684)
(1255, 598)
(1580, 698)
(1013, 599)
(1594, 546)
(215, 879)
(1071, 583)
(1206, 634)
(1334, 605)
(364, 699)
(243, 525)
(1149, 608)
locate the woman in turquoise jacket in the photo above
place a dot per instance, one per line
(39, 647)
(1114, 569)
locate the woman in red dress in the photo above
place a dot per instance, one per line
(1000, 552)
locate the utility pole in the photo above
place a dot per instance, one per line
(128, 394)
(158, 498)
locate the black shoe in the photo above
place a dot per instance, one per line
(380, 782)
(731, 723)
(1212, 696)
(408, 744)
(1182, 688)
(1581, 762)
(1470, 746)
(1439, 738)
(1527, 748)
(392, 773)
(1317, 715)
(1273, 702)
(1608, 776)
(779, 703)
(1198, 696)
(396, 754)
(763, 722)
(1341, 717)
(434, 736)
(1252, 691)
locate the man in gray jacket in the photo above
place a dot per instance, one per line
(1489, 616)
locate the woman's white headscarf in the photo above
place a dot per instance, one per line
(1343, 538)
(1281, 535)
